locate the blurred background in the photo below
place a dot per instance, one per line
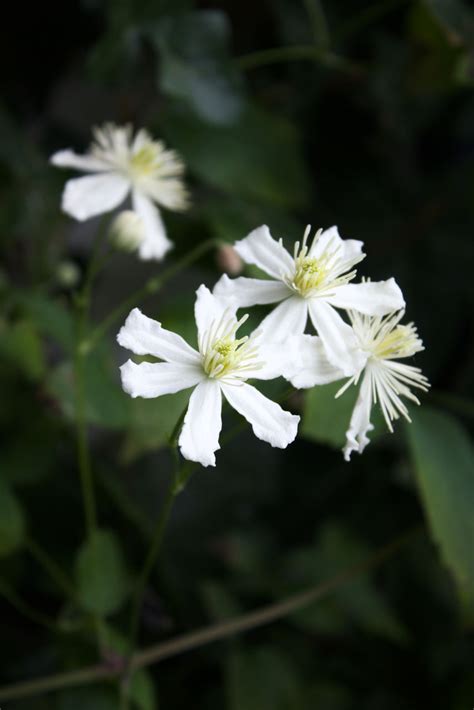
(285, 113)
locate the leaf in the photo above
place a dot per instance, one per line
(102, 579)
(259, 157)
(21, 345)
(196, 66)
(456, 18)
(50, 317)
(12, 521)
(443, 458)
(93, 698)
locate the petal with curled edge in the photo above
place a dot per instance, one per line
(199, 438)
(92, 195)
(360, 425)
(145, 336)
(269, 421)
(261, 249)
(155, 243)
(338, 338)
(154, 379)
(374, 298)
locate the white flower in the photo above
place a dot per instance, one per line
(220, 367)
(125, 164)
(382, 341)
(314, 281)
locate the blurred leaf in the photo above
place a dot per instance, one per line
(456, 18)
(258, 158)
(107, 404)
(93, 698)
(443, 457)
(195, 64)
(51, 317)
(262, 679)
(102, 579)
(358, 600)
(12, 521)
(326, 419)
(21, 345)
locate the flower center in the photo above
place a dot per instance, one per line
(225, 355)
(384, 338)
(310, 273)
(145, 161)
(402, 341)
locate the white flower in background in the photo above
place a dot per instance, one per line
(384, 380)
(314, 281)
(124, 164)
(220, 367)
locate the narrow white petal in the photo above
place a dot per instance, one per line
(356, 435)
(155, 243)
(272, 360)
(307, 364)
(199, 438)
(153, 379)
(89, 196)
(348, 249)
(70, 159)
(145, 336)
(374, 298)
(209, 310)
(246, 292)
(288, 318)
(261, 249)
(269, 421)
(338, 338)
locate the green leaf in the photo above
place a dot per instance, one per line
(21, 345)
(51, 317)
(443, 457)
(326, 419)
(102, 579)
(259, 157)
(196, 66)
(12, 521)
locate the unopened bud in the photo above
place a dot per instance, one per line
(127, 231)
(68, 274)
(228, 260)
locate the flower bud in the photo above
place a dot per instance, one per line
(228, 260)
(127, 231)
(68, 274)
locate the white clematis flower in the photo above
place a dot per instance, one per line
(314, 281)
(221, 367)
(124, 164)
(382, 341)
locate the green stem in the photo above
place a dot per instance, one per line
(295, 53)
(25, 609)
(209, 634)
(51, 567)
(319, 24)
(152, 286)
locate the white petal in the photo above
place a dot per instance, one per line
(307, 364)
(372, 298)
(153, 379)
(338, 338)
(199, 438)
(348, 249)
(70, 159)
(155, 243)
(288, 318)
(246, 292)
(269, 421)
(356, 435)
(273, 359)
(145, 336)
(261, 249)
(89, 196)
(209, 310)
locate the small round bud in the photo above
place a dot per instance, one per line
(228, 260)
(127, 231)
(68, 274)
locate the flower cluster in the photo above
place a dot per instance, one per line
(314, 284)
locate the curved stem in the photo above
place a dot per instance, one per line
(51, 567)
(298, 52)
(25, 609)
(151, 286)
(215, 632)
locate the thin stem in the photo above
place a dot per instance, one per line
(319, 24)
(209, 634)
(278, 55)
(25, 609)
(51, 567)
(151, 286)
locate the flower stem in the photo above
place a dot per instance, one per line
(215, 632)
(277, 55)
(151, 286)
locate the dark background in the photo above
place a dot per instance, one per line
(371, 127)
